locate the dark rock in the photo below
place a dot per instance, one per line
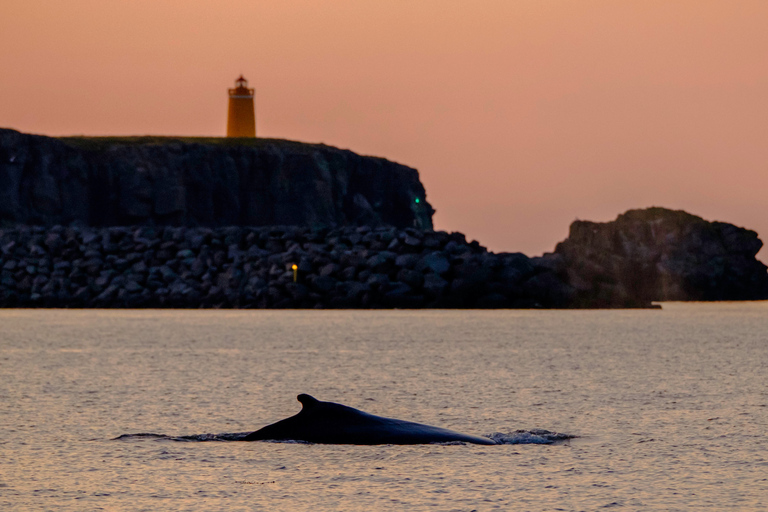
(382, 262)
(349, 274)
(7, 248)
(82, 295)
(551, 262)
(398, 289)
(410, 277)
(39, 281)
(411, 241)
(54, 242)
(406, 260)
(168, 274)
(323, 284)
(364, 275)
(107, 294)
(354, 290)
(274, 246)
(434, 240)
(297, 291)
(470, 280)
(342, 303)
(434, 285)
(330, 269)
(351, 259)
(132, 286)
(284, 303)
(24, 284)
(403, 301)
(549, 290)
(140, 267)
(658, 254)
(378, 280)
(493, 301)
(434, 262)
(454, 247)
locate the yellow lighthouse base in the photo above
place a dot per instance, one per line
(241, 121)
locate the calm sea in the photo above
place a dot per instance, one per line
(670, 408)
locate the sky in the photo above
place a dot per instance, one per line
(520, 115)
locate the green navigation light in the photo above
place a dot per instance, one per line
(417, 200)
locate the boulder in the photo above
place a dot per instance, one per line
(434, 285)
(434, 262)
(410, 277)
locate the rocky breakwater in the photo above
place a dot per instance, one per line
(119, 181)
(658, 254)
(235, 267)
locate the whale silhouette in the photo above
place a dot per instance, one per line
(331, 423)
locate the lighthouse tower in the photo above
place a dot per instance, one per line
(241, 120)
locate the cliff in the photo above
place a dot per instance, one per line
(118, 181)
(661, 255)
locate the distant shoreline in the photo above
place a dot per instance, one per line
(220, 223)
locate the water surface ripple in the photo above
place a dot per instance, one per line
(670, 408)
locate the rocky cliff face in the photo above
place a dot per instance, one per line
(660, 255)
(114, 181)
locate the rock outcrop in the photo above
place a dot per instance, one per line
(661, 255)
(234, 267)
(118, 181)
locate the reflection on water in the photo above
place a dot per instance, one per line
(669, 407)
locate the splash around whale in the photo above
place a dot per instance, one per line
(331, 423)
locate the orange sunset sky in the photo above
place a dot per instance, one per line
(521, 115)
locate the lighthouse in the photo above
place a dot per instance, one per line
(241, 119)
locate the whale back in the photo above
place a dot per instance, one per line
(332, 423)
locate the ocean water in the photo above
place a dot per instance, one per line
(670, 408)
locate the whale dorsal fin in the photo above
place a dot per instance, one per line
(307, 401)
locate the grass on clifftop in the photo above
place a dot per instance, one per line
(87, 143)
(103, 143)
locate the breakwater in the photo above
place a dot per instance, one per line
(643, 256)
(236, 267)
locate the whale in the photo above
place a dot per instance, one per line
(332, 423)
